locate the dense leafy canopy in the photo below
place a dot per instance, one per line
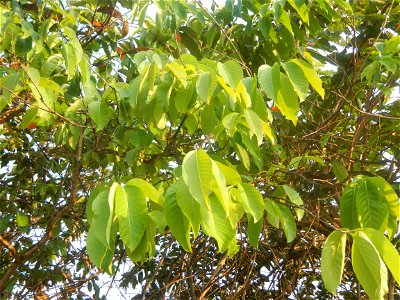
(242, 150)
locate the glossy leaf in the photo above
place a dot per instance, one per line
(177, 221)
(373, 211)
(197, 175)
(147, 189)
(231, 72)
(131, 211)
(8, 85)
(386, 250)
(99, 112)
(252, 201)
(205, 86)
(215, 223)
(253, 230)
(297, 78)
(368, 266)
(270, 80)
(332, 260)
(311, 75)
(190, 207)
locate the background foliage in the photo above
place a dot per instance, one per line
(247, 150)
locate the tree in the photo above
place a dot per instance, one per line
(240, 151)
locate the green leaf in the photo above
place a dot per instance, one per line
(147, 189)
(22, 219)
(189, 206)
(301, 9)
(368, 266)
(370, 70)
(100, 113)
(8, 85)
(205, 86)
(230, 121)
(297, 78)
(219, 187)
(311, 75)
(339, 170)
(386, 250)
(389, 193)
(71, 59)
(252, 200)
(51, 64)
(255, 125)
(29, 115)
(197, 174)
(295, 198)
(178, 71)
(103, 215)
(232, 177)
(231, 72)
(253, 230)
(278, 213)
(272, 213)
(287, 100)
(373, 210)
(348, 207)
(100, 254)
(332, 260)
(270, 80)
(287, 220)
(131, 211)
(215, 223)
(177, 221)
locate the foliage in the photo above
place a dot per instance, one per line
(243, 150)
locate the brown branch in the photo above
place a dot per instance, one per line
(218, 269)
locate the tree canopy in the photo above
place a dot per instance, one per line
(246, 150)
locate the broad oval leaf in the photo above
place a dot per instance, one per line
(270, 80)
(197, 174)
(147, 189)
(297, 78)
(215, 223)
(189, 206)
(311, 75)
(252, 201)
(253, 230)
(386, 250)
(332, 260)
(205, 86)
(177, 221)
(231, 72)
(99, 113)
(373, 210)
(287, 100)
(348, 207)
(131, 211)
(368, 266)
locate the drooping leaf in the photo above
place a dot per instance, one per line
(252, 201)
(389, 193)
(373, 210)
(348, 207)
(147, 189)
(205, 86)
(219, 187)
(100, 254)
(176, 219)
(368, 266)
(339, 170)
(386, 250)
(99, 112)
(71, 59)
(215, 223)
(197, 174)
(311, 75)
(253, 230)
(231, 72)
(255, 125)
(297, 78)
(131, 211)
(103, 215)
(270, 80)
(295, 198)
(287, 100)
(189, 206)
(280, 214)
(332, 260)
(8, 85)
